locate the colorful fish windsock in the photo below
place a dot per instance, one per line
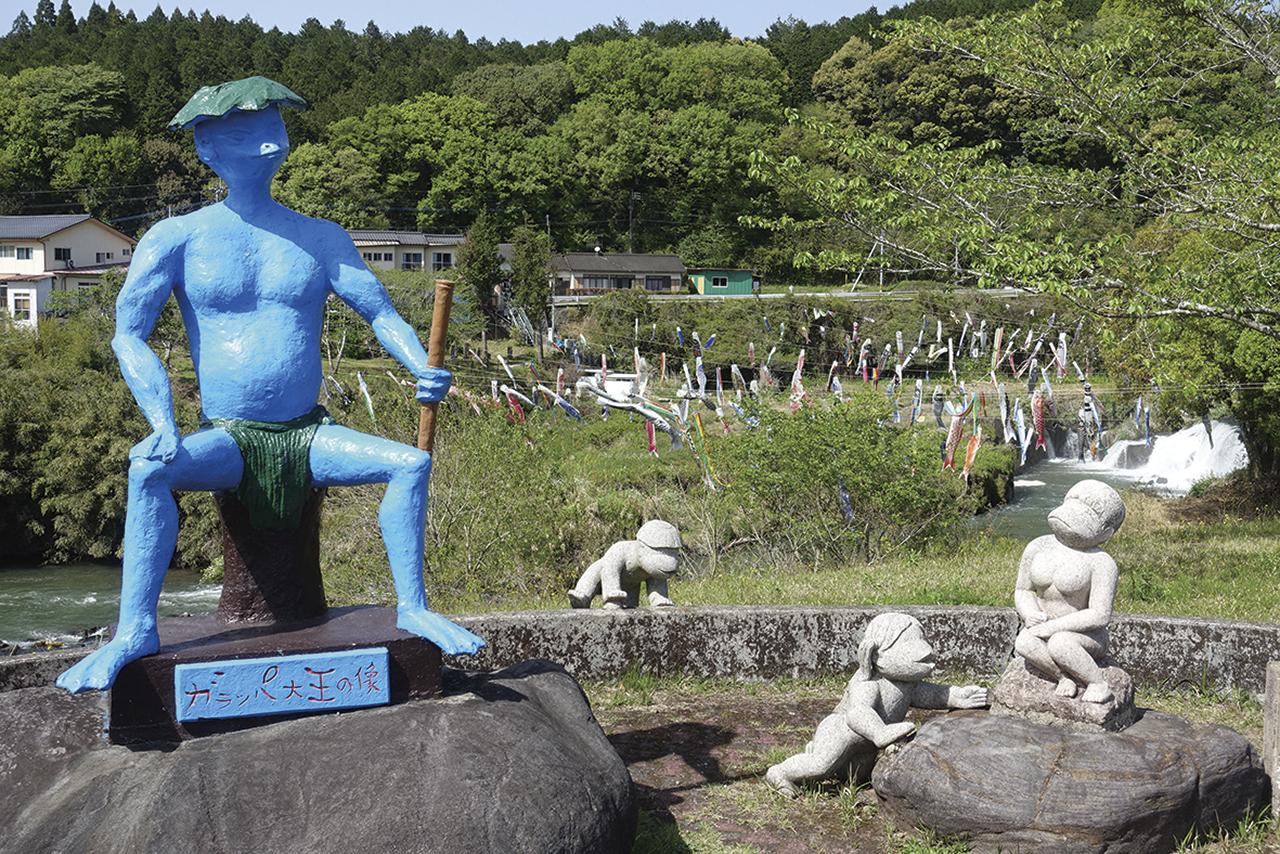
(1020, 424)
(751, 354)
(680, 336)
(702, 375)
(711, 339)
(953, 441)
(971, 452)
(1037, 417)
(653, 439)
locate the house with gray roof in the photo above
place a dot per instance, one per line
(384, 249)
(601, 272)
(44, 254)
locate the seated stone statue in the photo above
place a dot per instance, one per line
(651, 558)
(893, 660)
(1065, 591)
(251, 279)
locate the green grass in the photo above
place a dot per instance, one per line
(1223, 570)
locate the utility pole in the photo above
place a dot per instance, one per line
(631, 221)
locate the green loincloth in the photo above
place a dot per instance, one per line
(277, 469)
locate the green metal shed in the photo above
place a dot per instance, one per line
(718, 281)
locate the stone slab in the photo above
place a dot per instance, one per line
(143, 703)
(768, 642)
(502, 762)
(1021, 692)
(1012, 785)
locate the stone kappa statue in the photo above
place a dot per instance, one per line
(251, 278)
(651, 558)
(1066, 589)
(894, 658)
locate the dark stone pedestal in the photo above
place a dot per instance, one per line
(270, 575)
(142, 699)
(1011, 785)
(511, 761)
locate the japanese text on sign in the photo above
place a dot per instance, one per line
(281, 685)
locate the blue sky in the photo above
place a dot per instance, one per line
(526, 21)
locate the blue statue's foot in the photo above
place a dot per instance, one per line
(97, 670)
(452, 639)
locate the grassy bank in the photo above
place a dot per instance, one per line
(1173, 560)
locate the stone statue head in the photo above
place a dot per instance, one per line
(894, 647)
(243, 148)
(659, 548)
(1090, 514)
(239, 131)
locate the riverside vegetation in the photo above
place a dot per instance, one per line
(517, 509)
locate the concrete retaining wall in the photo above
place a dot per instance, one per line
(772, 642)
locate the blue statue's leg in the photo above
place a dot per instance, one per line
(207, 460)
(343, 457)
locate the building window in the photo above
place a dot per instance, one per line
(719, 281)
(622, 281)
(22, 307)
(441, 261)
(24, 253)
(128, 250)
(104, 256)
(598, 283)
(85, 286)
(411, 261)
(6, 250)
(368, 256)
(657, 283)
(62, 253)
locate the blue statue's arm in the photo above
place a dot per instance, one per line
(152, 274)
(359, 288)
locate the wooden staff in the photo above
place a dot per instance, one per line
(435, 359)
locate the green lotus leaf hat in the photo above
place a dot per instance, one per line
(251, 93)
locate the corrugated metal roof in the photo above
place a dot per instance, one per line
(95, 270)
(375, 237)
(607, 262)
(35, 227)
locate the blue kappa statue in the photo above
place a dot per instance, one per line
(251, 278)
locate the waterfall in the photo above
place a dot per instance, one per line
(1175, 462)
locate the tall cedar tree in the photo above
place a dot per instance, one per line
(479, 265)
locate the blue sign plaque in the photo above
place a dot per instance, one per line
(281, 684)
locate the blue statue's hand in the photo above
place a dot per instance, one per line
(433, 385)
(161, 445)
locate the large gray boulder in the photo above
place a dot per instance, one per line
(1013, 785)
(512, 761)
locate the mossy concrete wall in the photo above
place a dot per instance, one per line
(774, 642)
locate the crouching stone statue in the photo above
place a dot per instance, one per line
(893, 660)
(651, 558)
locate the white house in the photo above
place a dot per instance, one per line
(40, 255)
(406, 250)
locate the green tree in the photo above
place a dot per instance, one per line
(1170, 242)
(480, 266)
(530, 268)
(525, 97)
(338, 184)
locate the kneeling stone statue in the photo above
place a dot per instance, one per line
(652, 558)
(893, 660)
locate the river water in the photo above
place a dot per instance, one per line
(58, 603)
